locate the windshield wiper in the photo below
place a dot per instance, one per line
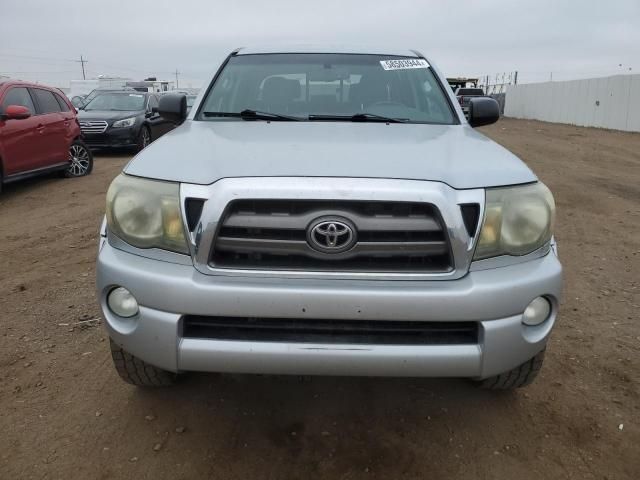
(359, 117)
(248, 114)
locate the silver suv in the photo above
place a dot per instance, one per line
(332, 214)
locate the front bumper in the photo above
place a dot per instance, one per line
(166, 291)
(112, 138)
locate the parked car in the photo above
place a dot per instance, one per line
(328, 213)
(39, 133)
(122, 119)
(464, 96)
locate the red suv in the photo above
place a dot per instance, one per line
(39, 133)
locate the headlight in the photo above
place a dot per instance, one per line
(146, 213)
(517, 221)
(127, 122)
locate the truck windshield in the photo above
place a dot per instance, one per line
(328, 87)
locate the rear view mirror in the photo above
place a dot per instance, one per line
(333, 74)
(16, 112)
(483, 111)
(173, 107)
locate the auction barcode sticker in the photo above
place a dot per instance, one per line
(404, 63)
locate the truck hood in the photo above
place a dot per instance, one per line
(203, 152)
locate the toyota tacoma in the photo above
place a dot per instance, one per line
(328, 212)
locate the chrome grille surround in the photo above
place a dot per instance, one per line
(379, 236)
(97, 126)
(220, 194)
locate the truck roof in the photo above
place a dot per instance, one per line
(372, 50)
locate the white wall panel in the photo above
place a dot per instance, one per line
(633, 112)
(608, 102)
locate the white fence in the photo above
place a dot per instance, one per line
(609, 102)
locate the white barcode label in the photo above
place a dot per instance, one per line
(404, 63)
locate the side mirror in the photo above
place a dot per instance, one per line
(16, 112)
(77, 101)
(483, 111)
(173, 107)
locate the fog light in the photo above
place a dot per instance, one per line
(122, 303)
(537, 311)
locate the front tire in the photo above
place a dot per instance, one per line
(138, 372)
(81, 160)
(144, 138)
(521, 376)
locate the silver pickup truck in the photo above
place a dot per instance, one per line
(328, 212)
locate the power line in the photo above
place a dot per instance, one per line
(12, 72)
(99, 65)
(36, 58)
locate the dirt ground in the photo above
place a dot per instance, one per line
(64, 413)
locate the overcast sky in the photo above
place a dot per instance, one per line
(573, 39)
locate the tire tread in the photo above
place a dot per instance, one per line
(138, 372)
(520, 376)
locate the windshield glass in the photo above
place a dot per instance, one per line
(99, 91)
(117, 101)
(93, 94)
(341, 85)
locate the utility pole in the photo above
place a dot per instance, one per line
(515, 78)
(82, 61)
(177, 73)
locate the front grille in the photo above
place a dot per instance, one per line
(93, 127)
(388, 237)
(296, 330)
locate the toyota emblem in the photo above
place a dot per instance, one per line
(331, 235)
